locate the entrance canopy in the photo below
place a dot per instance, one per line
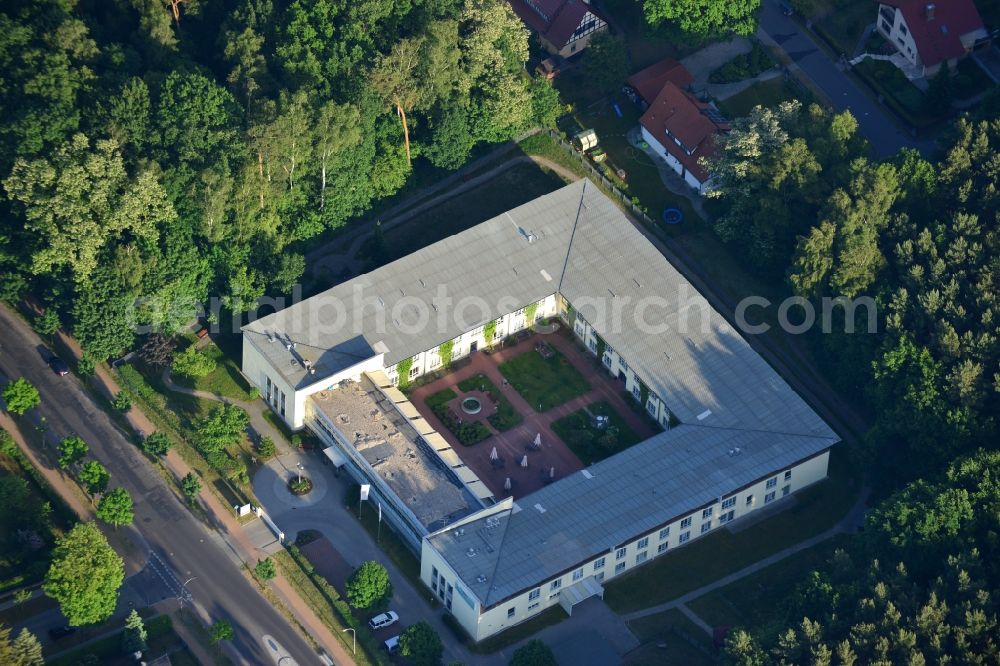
(574, 594)
(335, 456)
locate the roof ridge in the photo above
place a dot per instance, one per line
(760, 430)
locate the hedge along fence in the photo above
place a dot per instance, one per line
(609, 186)
(155, 407)
(333, 611)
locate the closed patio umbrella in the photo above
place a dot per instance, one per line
(524, 461)
(552, 473)
(493, 454)
(538, 439)
(506, 484)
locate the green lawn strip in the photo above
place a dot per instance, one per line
(509, 189)
(167, 420)
(226, 380)
(756, 602)
(160, 638)
(505, 417)
(544, 382)
(672, 639)
(326, 603)
(587, 442)
(722, 552)
(468, 433)
(768, 94)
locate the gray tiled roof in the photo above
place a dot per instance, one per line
(582, 246)
(627, 495)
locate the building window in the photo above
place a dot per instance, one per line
(664, 533)
(640, 557)
(533, 606)
(662, 548)
(607, 360)
(726, 517)
(729, 503)
(434, 579)
(636, 392)
(706, 526)
(598, 563)
(447, 599)
(578, 574)
(749, 500)
(902, 28)
(620, 555)
(643, 542)
(769, 497)
(282, 403)
(785, 490)
(592, 344)
(599, 577)
(414, 371)
(788, 475)
(267, 392)
(510, 612)
(651, 408)
(534, 594)
(707, 513)
(556, 584)
(620, 567)
(771, 483)
(622, 364)
(684, 537)
(686, 523)
(886, 27)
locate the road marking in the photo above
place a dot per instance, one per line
(278, 653)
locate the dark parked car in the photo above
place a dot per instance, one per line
(58, 366)
(787, 9)
(61, 632)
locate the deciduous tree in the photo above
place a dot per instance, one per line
(84, 576)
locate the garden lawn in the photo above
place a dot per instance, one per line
(467, 433)
(544, 383)
(843, 23)
(505, 417)
(751, 602)
(768, 94)
(722, 552)
(587, 442)
(226, 380)
(684, 642)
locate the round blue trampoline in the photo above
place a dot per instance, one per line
(672, 216)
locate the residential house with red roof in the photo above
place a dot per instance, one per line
(927, 34)
(564, 27)
(682, 129)
(643, 86)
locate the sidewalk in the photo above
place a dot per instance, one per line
(221, 518)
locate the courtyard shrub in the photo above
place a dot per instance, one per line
(467, 433)
(192, 363)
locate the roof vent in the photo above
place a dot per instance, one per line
(288, 346)
(545, 274)
(540, 508)
(270, 338)
(471, 552)
(737, 451)
(480, 578)
(704, 415)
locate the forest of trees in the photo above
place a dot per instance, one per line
(922, 238)
(154, 157)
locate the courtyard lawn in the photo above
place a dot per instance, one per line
(722, 552)
(505, 417)
(669, 638)
(467, 433)
(544, 383)
(587, 442)
(750, 602)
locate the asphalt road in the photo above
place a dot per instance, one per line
(874, 121)
(178, 547)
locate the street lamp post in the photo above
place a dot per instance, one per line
(299, 465)
(354, 637)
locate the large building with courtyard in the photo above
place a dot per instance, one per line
(539, 404)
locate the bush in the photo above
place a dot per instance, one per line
(190, 486)
(20, 396)
(221, 631)
(533, 653)
(47, 323)
(744, 66)
(72, 450)
(157, 444)
(368, 585)
(266, 448)
(122, 402)
(192, 364)
(95, 477)
(265, 569)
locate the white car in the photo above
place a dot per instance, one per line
(383, 620)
